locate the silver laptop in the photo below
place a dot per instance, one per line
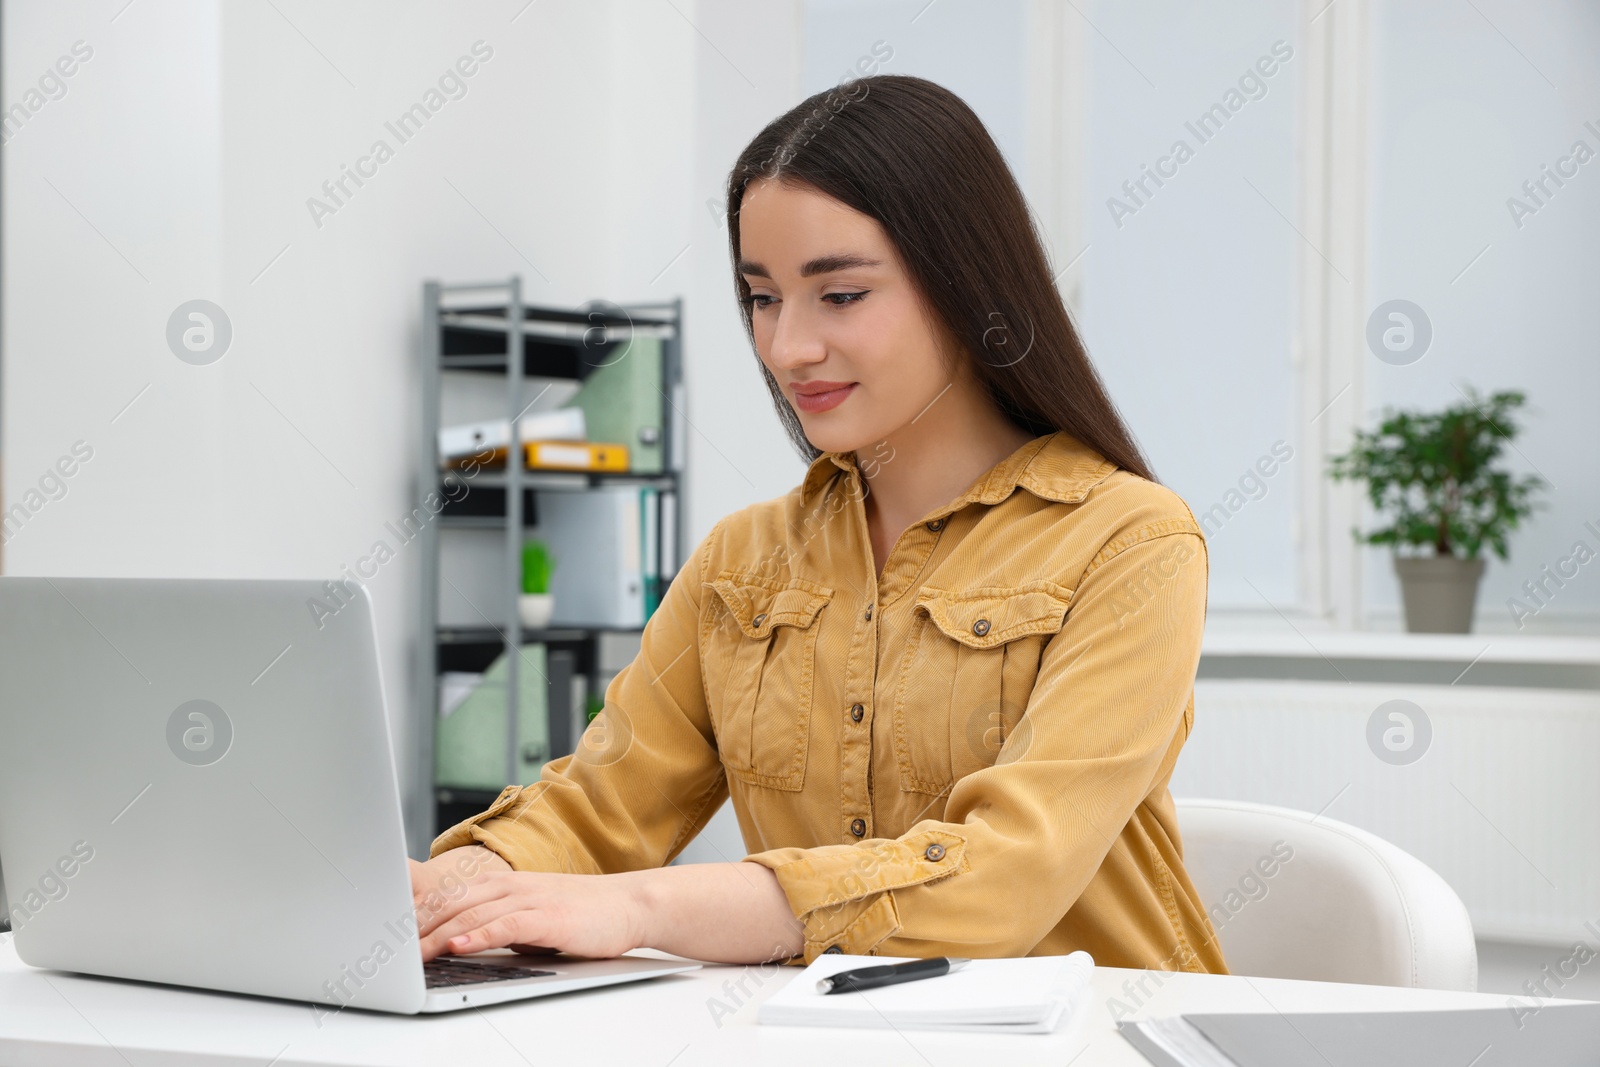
(197, 787)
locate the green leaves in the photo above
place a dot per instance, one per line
(537, 565)
(1436, 476)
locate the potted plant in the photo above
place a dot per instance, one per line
(536, 604)
(1435, 476)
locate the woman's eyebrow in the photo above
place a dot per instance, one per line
(820, 265)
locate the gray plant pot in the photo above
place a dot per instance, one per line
(1439, 592)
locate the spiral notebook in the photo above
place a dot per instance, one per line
(1028, 995)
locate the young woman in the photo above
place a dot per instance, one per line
(945, 679)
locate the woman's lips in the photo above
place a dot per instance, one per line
(815, 402)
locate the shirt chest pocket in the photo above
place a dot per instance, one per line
(971, 661)
(758, 649)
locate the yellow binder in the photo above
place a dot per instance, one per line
(577, 455)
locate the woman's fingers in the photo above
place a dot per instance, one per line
(468, 907)
(495, 913)
(511, 927)
(440, 894)
(536, 913)
(439, 906)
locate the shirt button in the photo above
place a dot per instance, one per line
(935, 852)
(856, 711)
(869, 613)
(980, 627)
(859, 827)
(936, 525)
(759, 619)
(834, 950)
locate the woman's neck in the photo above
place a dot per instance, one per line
(929, 463)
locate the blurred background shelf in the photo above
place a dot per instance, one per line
(560, 671)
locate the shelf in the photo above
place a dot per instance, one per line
(474, 522)
(469, 349)
(538, 315)
(556, 343)
(483, 506)
(478, 799)
(489, 635)
(474, 334)
(551, 479)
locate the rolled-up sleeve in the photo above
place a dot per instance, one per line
(1020, 840)
(645, 778)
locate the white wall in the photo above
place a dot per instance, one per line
(975, 49)
(178, 165)
(745, 73)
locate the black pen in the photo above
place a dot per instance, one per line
(889, 974)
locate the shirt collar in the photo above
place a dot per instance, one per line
(1055, 466)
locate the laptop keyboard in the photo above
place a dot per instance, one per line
(451, 972)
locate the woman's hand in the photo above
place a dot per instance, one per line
(719, 912)
(593, 915)
(447, 876)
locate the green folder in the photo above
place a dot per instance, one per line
(622, 402)
(470, 743)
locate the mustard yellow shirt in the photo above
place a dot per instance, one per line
(967, 755)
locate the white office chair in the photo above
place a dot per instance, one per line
(1294, 895)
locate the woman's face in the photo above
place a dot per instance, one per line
(832, 306)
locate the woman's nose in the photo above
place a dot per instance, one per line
(794, 341)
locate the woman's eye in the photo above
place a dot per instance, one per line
(763, 300)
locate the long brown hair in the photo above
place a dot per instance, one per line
(912, 155)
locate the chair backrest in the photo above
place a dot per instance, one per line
(1293, 895)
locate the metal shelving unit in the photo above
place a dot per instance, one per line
(564, 343)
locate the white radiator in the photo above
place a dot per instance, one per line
(1504, 802)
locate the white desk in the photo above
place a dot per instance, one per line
(48, 1017)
